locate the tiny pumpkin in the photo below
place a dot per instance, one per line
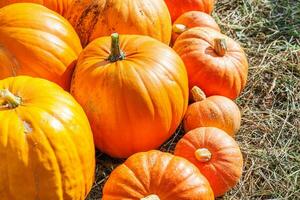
(38, 42)
(178, 7)
(216, 154)
(92, 19)
(46, 146)
(141, 92)
(59, 6)
(214, 111)
(155, 175)
(190, 20)
(215, 63)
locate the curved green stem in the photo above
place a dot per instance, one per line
(116, 52)
(10, 99)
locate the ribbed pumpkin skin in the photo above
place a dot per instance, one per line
(224, 169)
(195, 19)
(40, 43)
(214, 111)
(178, 7)
(135, 104)
(46, 144)
(95, 18)
(215, 75)
(162, 174)
(59, 6)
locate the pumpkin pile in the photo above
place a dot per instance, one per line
(117, 75)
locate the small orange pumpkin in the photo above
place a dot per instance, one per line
(190, 20)
(216, 154)
(136, 94)
(59, 6)
(38, 42)
(46, 146)
(214, 111)
(155, 175)
(215, 63)
(178, 7)
(92, 19)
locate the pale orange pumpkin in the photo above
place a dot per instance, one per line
(46, 146)
(178, 7)
(214, 111)
(59, 6)
(155, 175)
(134, 91)
(92, 19)
(215, 63)
(216, 154)
(190, 20)
(38, 42)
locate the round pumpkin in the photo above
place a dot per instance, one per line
(213, 111)
(193, 19)
(215, 63)
(216, 154)
(59, 6)
(38, 42)
(93, 19)
(155, 175)
(134, 91)
(178, 7)
(46, 145)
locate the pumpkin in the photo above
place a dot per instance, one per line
(178, 7)
(93, 19)
(190, 20)
(214, 111)
(215, 63)
(216, 154)
(59, 6)
(46, 145)
(155, 175)
(38, 42)
(137, 92)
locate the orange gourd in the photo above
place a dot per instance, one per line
(215, 63)
(46, 146)
(92, 19)
(190, 20)
(59, 6)
(178, 7)
(38, 42)
(217, 156)
(213, 111)
(155, 175)
(134, 91)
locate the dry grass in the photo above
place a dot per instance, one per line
(269, 30)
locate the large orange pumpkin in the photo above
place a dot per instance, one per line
(178, 7)
(155, 175)
(135, 94)
(46, 143)
(59, 6)
(93, 19)
(190, 20)
(215, 63)
(215, 111)
(38, 42)
(216, 154)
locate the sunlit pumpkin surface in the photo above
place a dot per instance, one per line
(46, 144)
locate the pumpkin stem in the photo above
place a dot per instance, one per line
(10, 100)
(151, 197)
(203, 155)
(116, 52)
(220, 46)
(197, 94)
(179, 28)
